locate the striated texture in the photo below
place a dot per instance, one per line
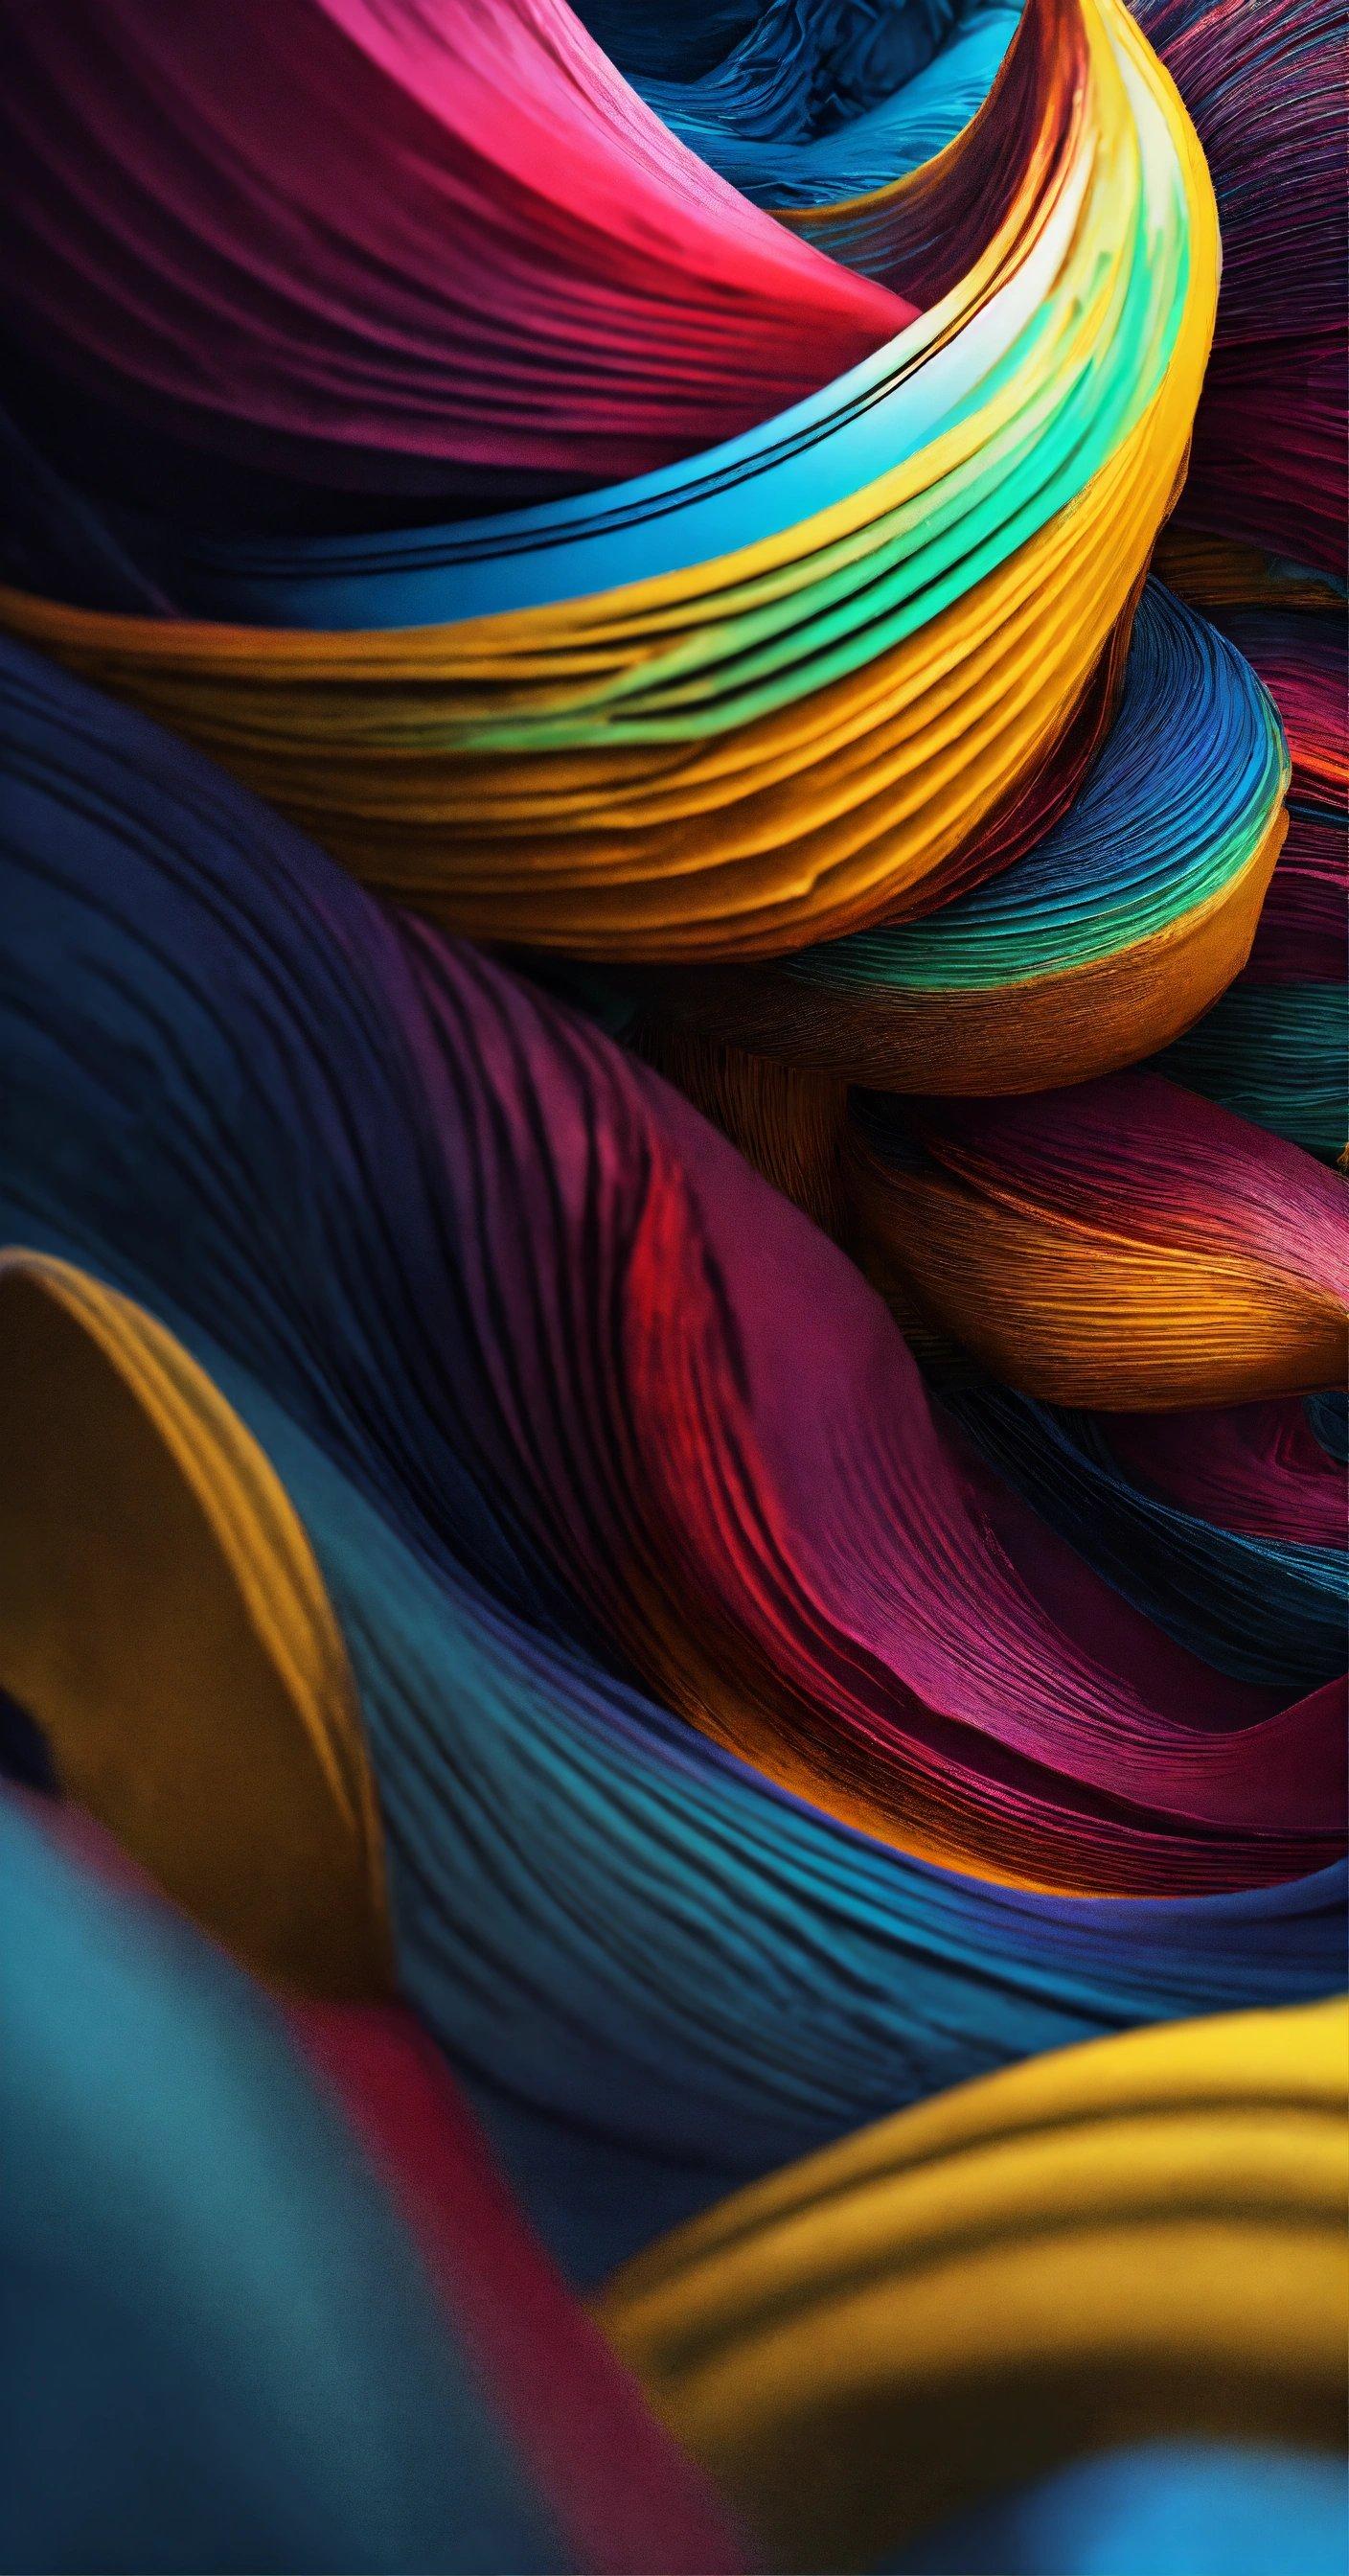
(673, 1286)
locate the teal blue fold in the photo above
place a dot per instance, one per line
(220, 2353)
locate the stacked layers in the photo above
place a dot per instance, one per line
(774, 695)
(485, 1559)
(1276, 1045)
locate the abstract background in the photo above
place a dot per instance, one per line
(673, 1295)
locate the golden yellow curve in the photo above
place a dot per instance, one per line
(163, 1619)
(1145, 2236)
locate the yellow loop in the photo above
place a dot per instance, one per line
(163, 1619)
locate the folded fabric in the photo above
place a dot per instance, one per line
(800, 105)
(665, 1901)
(481, 1323)
(1142, 2238)
(1226, 1527)
(1263, 80)
(1125, 1246)
(398, 249)
(1110, 933)
(266, 2306)
(661, 1494)
(1276, 1047)
(614, 1652)
(811, 100)
(772, 695)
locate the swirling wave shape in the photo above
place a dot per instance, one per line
(1277, 1044)
(851, 639)
(1123, 1245)
(282, 292)
(681, 2070)
(664, 1479)
(1226, 1527)
(1110, 932)
(672, 1588)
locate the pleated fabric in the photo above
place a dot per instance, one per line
(1109, 933)
(1227, 1527)
(1126, 1245)
(294, 313)
(380, 1361)
(1265, 86)
(1143, 2237)
(397, 250)
(1277, 1044)
(672, 1588)
(771, 696)
(679, 2066)
(650, 1494)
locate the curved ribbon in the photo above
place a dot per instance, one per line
(406, 250)
(162, 1618)
(1137, 2238)
(663, 1492)
(1275, 1047)
(680, 2065)
(1123, 1246)
(1109, 933)
(768, 697)
(464, 1534)
(1227, 1527)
